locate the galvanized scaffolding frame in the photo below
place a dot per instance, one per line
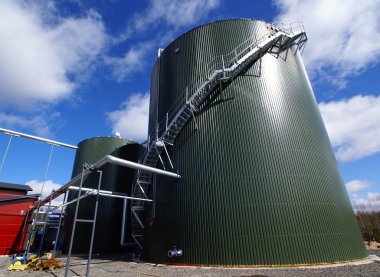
(87, 169)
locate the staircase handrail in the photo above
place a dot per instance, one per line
(220, 67)
(217, 63)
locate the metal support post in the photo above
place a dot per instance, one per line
(94, 223)
(59, 225)
(74, 223)
(159, 156)
(154, 196)
(122, 235)
(138, 219)
(224, 69)
(167, 154)
(138, 183)
(45, 223)
(167, 119)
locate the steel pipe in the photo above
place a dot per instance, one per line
(52, 142)
(122, 235)
(105, 160)
(118, 161)
(108, 193)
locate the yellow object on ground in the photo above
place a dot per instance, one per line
(17, 266)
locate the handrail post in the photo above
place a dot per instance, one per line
(167, 119)
(224, 72)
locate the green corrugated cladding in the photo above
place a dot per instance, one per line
(260, 184)
(116, 179)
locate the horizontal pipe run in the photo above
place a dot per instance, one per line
(52, 142)
(118, 161)
(61, 190)
(71, 202)
(105, 160)
(110, 194)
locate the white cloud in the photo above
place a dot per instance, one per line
(41, 62)
(134, 60)
(79, 41)
(353, 126)
(344, 36)
(355, 186)
(371, 202)
(132, 118)
(366, 201)
(49, 185)
(39, 123)
(175, 13)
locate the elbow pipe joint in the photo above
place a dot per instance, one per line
(175, 252)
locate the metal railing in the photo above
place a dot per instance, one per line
(218, 63)
(220, 68)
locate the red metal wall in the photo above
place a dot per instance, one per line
(12, 221)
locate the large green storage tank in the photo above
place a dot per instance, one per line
(115, 178)
(260, 184)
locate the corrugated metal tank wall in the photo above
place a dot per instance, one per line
(260, 183)
(115, 178)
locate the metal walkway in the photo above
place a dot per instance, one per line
(221, 69)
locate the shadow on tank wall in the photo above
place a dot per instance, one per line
(116, 179)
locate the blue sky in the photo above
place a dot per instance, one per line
(70, 70)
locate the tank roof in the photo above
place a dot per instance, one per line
(129, 141)
(210, 23)
(206, 24)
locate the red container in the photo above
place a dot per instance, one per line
(14, 206)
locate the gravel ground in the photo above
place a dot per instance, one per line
(124, 266)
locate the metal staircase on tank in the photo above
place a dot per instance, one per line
(222, 68)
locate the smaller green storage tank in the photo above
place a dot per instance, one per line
(115, 178)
